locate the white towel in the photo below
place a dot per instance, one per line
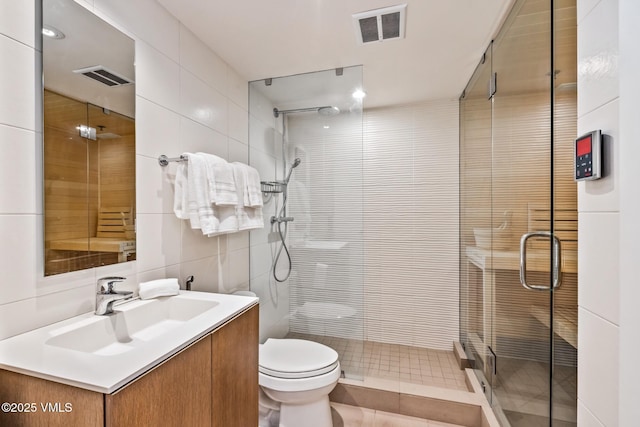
(222, 186)
(248, 217)
(201, 213)
(181, 191)
(158, 288)
(253, 190)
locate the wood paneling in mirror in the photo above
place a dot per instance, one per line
(83, 178)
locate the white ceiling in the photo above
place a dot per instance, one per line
(259, 39)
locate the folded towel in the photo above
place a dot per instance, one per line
(201, 213)
(181, 191)
(158, 288)
(222, 186)
(247, 217)
(252, 195)
(228, 221)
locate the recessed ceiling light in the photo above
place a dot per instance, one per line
(358, 94)
(52, 32)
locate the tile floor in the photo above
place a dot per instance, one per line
(353, 416)
(405, 364)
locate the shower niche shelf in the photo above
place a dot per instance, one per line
(270, 187)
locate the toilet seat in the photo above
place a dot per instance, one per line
(296, 359)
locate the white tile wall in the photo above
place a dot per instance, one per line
(599, 291)
(411, 224)
(598, 56)
(586, 418)
(629, 10)
(16, 21)
(175, 76)
(18, 84)
(21, 146)
(598, 355)
(600, 217)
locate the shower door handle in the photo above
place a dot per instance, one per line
(555, 258)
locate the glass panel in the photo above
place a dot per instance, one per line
(476, 297)
(532, 333)
(565, 215)
(66, 187)
(521, 203)
(317, 294)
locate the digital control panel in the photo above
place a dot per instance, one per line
(588, 156)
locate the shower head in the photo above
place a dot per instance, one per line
(294, 165)
(328, 111)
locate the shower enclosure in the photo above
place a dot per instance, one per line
(305, 140)
(518, 217)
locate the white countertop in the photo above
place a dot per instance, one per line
(29, 354)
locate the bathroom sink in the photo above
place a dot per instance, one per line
(103, 353)
(130, 326)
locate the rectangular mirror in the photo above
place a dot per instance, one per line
(89, 140)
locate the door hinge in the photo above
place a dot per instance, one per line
(493, 361)
(493, 84)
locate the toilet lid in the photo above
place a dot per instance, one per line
(292, 358)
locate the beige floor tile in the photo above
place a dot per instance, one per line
(386, 419)
(351, 416)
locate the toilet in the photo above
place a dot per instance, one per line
(297, 377)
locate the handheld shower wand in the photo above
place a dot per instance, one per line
(294, 165)
(283, 218)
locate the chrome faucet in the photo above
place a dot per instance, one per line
(106, 296)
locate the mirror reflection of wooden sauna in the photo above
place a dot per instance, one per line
(518, 122)
(89, 186)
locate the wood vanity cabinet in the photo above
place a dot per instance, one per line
(213, 382)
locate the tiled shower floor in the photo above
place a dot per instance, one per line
(392, 362)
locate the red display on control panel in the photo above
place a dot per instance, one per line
(583, 146)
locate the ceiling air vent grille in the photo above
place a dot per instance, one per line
(104, 75)
(381, 24)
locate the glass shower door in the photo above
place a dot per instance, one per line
(518, 228)
(476, 295)
(534, 208)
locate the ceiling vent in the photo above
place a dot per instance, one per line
(381, 24)
(104, 76)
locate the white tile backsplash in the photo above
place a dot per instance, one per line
(196, 246)
(158, 240)
(19, 233)
(24, 315)
(154, 186)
